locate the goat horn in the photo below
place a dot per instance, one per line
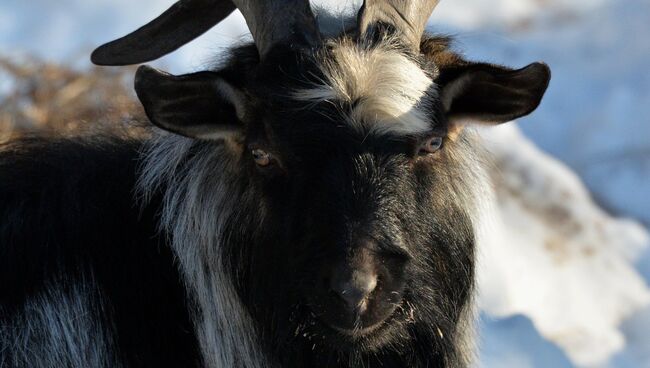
(288, 22)
(178, 25)
(407, 18)
(270, 22)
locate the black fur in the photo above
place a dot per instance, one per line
(67, 212)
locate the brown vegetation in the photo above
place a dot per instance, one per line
(44, 97)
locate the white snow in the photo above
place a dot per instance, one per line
(558, 274)
(551, 254)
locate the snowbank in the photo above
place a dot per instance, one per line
(550, 253)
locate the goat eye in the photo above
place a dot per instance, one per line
(431, 145)
(261, 157)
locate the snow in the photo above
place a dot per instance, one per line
(551, 254)
(563, 282)
(513, 342)
(479, 14)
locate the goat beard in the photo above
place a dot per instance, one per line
(413, 336)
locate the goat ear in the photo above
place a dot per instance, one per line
(200, 105)
(492, 94)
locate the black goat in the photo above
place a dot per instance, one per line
(314, 208)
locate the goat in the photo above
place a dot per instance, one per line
(311, 203)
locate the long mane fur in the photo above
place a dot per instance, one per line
(200, 191)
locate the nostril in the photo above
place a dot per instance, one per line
(356, 289)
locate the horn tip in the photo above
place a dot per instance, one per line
(105, 55)
(118, 53)
(98, 57)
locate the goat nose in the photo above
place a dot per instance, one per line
(355, 290)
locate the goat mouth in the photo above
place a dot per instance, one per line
(360, 332)
(322, 334)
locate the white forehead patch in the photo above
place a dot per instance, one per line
(387, 91)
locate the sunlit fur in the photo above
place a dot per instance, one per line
(200, 185)
(58, 327)
(388, 90)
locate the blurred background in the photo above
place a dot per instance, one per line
(564, 252)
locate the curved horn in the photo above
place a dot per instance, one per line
(270, 22)
(406, 17)
(289, 22)
(178, 25)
